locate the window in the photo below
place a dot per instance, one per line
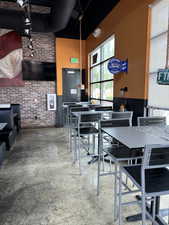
(158, 95)
(101, 80)
(159, 112)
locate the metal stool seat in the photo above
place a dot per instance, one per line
(117, 153)
(156, 180)
(88, 130)
(122, 153)
(151, 179)
(151, 121)
(83, 130)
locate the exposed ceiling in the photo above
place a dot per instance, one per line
(94, 11)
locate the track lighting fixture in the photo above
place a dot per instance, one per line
(25, 4)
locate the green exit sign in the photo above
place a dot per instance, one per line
(163, 77)
(74, 60)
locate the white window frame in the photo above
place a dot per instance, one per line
(153, 110)
(100, 64)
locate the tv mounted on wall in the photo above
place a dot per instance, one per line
(41, 71)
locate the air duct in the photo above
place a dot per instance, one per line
(56, 20)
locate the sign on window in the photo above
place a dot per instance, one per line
(163, 77)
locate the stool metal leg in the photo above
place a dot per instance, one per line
(115, 192)
(79, 155)
(100, 157)
(103, 162)
(154, 211)
(75, 137)
(143, 202)
(74, 148)
(93, 144)
(143, 210)
(98, 175)
(79, 150)
(120, 199)
(70, 134)
(88, 140)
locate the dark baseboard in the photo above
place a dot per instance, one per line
(131, 104)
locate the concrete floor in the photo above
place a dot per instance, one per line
(40, 186)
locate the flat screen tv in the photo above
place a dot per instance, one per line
(41, 71)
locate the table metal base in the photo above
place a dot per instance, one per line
(159, 220)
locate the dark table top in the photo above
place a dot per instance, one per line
(138, 137)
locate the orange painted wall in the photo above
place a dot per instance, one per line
(65, 49)
(129, 21)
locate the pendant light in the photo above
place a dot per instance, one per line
(81, 45)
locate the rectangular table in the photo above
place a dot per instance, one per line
(2, 126)
(138, 137)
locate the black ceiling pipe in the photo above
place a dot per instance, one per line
(56, 20)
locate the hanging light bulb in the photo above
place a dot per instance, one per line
(22, 3)
(27, 21)
(27, 31)
(30, 46)
(32, 53)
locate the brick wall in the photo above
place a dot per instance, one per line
(44, 47)
(32, 97)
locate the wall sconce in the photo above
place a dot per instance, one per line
(123, 90)
(97, 32)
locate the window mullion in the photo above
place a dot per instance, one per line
(102, 70)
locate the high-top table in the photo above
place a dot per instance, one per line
(2, 126)
(138, 137)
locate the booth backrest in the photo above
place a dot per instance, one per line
(6, 116)
(16, 109)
